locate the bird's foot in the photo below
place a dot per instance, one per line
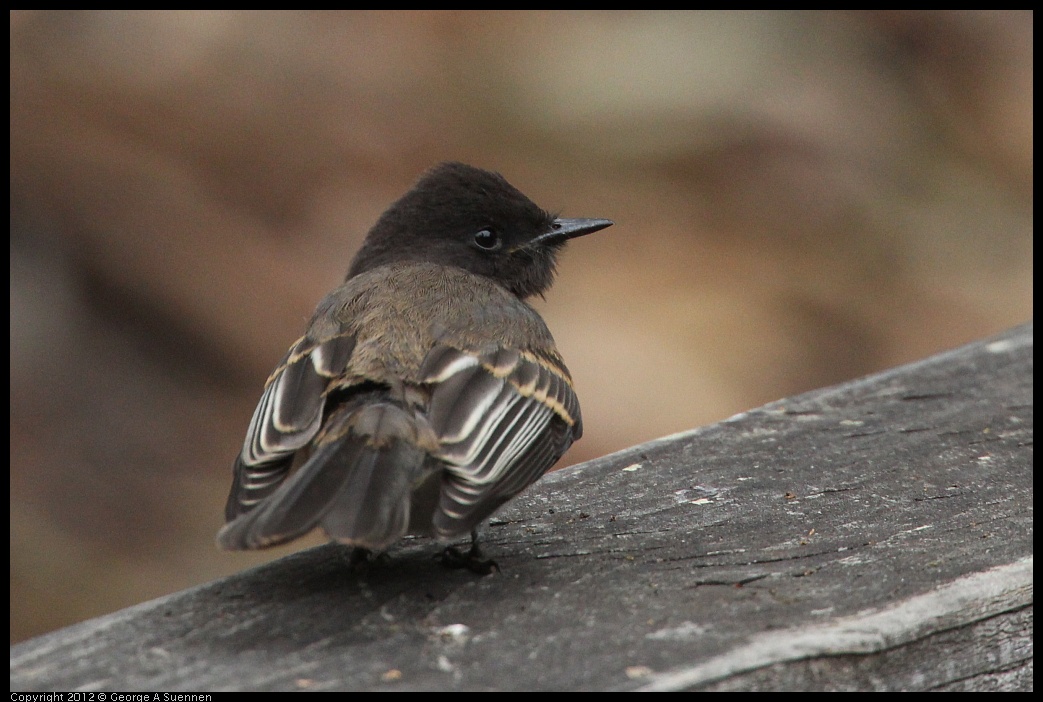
(472, 560)
(361, 556)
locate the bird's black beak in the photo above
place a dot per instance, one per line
(562, 230)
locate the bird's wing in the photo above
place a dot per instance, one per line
(502, 417)
(287, 417)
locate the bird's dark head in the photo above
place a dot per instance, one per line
(462, 216)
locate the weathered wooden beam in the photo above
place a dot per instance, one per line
(874, 535)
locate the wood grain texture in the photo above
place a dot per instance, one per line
(875, 535)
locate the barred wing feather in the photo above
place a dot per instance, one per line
(288, 416)
(502, 418)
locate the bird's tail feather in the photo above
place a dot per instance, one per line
(356, 484)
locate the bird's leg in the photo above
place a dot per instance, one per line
(472, 560)
(359, 555)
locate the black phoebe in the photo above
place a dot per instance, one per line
(426, 393)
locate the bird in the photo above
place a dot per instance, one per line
(426, 391)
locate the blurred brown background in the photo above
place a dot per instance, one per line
(800, 198)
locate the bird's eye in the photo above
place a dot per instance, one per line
(487, 240)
